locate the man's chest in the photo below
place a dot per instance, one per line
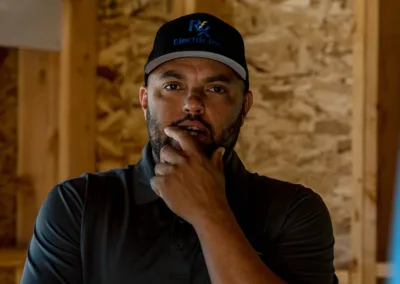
(145, 244)
(146, 248)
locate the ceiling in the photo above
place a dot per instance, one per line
(31, 24)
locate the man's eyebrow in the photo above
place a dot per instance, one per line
(173, 74)
(220, 78)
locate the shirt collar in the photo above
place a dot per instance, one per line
(143, 172)
(235, 178)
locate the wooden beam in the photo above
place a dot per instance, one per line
(220, 8)
(12, 258)
(78, 87)
(389, 119)
(376, 133)
(37, 135)
(363, 267)
(38, 84)
(343, 276)
(383, 270)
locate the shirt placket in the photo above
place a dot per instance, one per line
(181, 251)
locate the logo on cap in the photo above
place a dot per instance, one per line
(202, 37)
(200, 26)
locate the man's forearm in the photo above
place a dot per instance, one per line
(229, 256)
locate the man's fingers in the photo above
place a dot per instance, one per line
(163, 169)
(156, 184)
(170, 155)
(184, 139)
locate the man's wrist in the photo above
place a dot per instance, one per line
(214, 218)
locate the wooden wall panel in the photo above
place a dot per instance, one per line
(38, 134)
(78, 85)
(37, 172)
(363, 269)
(389, 117)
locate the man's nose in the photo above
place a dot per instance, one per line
(194, 105)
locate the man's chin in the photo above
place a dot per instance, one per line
(204, 146)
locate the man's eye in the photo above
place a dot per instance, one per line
(217, 89)
(172, 87)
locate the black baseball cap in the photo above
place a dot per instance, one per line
(199, 35)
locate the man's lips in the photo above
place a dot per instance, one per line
(194, 127)
(199, 131)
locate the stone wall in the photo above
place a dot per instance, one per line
(8, 153)
(300, 60)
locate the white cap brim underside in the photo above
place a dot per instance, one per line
(201, 54)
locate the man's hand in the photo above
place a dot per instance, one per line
(192, 185)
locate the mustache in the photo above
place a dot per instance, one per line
(198, 118)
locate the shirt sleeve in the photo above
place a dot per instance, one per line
(304, 250)
(53, 254)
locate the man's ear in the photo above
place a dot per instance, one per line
(247, 103)
(143, 98)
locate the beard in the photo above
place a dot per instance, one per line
(227, 139)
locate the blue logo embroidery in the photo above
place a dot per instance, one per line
(202, 37)
(200, 26)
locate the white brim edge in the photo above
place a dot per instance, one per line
(201, 54)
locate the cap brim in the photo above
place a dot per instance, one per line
(201, 54)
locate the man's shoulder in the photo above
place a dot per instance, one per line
(99, 181)
(265, 187)
(283, 198)
(281, 205)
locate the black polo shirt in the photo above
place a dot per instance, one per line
(111, 227)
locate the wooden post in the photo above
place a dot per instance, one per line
(365, 142)
(37, 136)
(12, 258)
(389, 119)
(78, 85)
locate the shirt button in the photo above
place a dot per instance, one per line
(181, 221)
(179, 245)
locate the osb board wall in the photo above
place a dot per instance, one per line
(127, 29)
(8, 152)
(300, 60)
(300, 57)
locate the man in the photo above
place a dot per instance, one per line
(188, 212)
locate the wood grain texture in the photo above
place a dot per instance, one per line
(389, 118)
(220, 8)
(12, 258)
(78, 84)
(37, 135)
(365, 143)
(38, 85)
